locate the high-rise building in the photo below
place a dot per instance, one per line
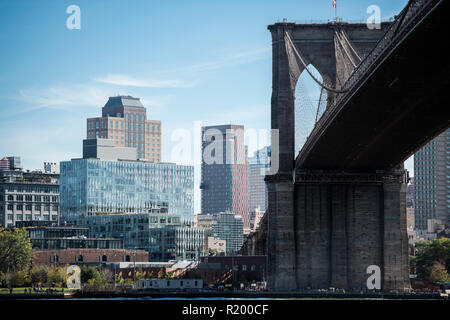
(432, 182)
(229, 227)
(92, 186)
(28, 196)
(224, 177)
(257, 189)
(124, 120)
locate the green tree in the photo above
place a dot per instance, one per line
(88, 273)
(15, 250)
(2, 280)
(19, 279)
(118, 279)
(140, 275)
(107, 275)
(439, 273)
(39, 275)
(56, 276)
(430, 252)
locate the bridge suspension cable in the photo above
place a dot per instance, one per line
(340, 39)
(344, 36)
(299, 56)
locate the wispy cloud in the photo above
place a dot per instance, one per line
(128, 81)
(66, 96)
(226, 61)
(69, 96)
(184, 74)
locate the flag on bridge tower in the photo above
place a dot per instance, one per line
(335, 10)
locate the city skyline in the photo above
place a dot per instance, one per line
(216, 75)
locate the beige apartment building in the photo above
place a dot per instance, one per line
(124, 120)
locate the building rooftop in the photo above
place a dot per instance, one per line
(124, 101)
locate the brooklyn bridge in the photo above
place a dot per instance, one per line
(338, 206)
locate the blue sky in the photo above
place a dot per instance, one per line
(190, 60)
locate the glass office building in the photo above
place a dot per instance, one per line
(257, 189)
(171, 242)
(230, 227)
(92, 186)
(134, 229)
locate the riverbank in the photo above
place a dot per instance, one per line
(222, 295)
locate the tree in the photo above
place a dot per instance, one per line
(430, 252)
(19, 279)
(88, 273)
(56, 276)
(439, 273)
(39, 275)
(15, 250)
(107, 275)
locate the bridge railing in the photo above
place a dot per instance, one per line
(403, 23)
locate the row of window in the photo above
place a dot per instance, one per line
(28, 217)
(28, 207)
(31, 189)
(30, 198)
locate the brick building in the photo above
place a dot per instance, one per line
(87, 256)
(232, 269)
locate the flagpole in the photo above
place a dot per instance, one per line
(335, 13)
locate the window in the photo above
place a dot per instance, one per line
(10, 207)
(104, 258)
(127, 259)
(54, 258)
(10, 198)
(80, 258)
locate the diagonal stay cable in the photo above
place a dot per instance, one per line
(307, 69)
(341, 43)
(344, 36)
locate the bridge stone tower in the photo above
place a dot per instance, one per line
(325, 227)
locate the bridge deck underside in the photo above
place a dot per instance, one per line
(402, 104)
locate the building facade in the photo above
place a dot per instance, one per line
(124, 120)
(28, 196)
(257, 189)
(229, 227)
(224, 177)
(183, 242)
(68, 237)
(87, 256)
(134, 229)
(432, 182)
(92, 186)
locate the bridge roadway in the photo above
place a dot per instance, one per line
(398, 106)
